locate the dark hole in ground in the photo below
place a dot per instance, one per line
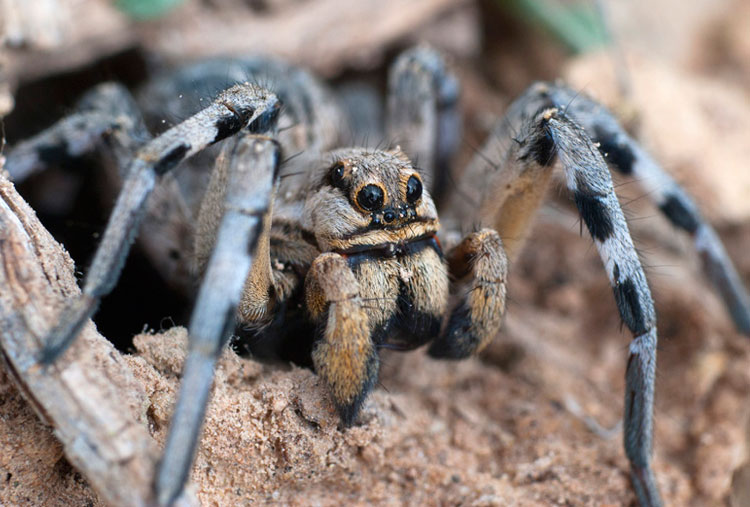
(141, 299)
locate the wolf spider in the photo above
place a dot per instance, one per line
(326, 256)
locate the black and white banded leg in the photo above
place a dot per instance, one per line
(588, 178)
(513, 172)
(242, 106)
(107, 126)
(630, 159)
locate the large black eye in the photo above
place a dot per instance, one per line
(370, 198)
(413, 189)
(337, 175)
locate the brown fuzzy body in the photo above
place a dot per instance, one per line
(356, 266)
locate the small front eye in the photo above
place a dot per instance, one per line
(413, 189)
(370, 198)
(337, 175)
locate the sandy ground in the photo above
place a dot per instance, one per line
(501, 429)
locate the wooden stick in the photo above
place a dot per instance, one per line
(90, 396)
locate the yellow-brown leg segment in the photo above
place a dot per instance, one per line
(256, 301)
(505, 183)
(345, 356)
(481, 261)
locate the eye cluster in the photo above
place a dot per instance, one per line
(372, 197)
(391, 214)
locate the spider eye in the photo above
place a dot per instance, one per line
(413, 189)
(337, 175)
(370, 198)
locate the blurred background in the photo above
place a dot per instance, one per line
(677, 73)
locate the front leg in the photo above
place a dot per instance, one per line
(241, 107)
(345, 356)
(252, 176)
(476, 319)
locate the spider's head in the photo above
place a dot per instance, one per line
(367, 198)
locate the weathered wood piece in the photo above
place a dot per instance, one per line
(90, 397)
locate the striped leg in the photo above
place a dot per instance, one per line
(240, 107)
(107, 123)
(504, 185)
(630, 159)
(107, 110)
(588, 178)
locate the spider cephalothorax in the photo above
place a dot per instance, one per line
(329, 256)
(371, 214)
(368, 198)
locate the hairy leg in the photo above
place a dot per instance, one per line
(480, 267)
(345, 356)
(256, 300)
(540, 133)
(240, 107)
(507, 178)
(630, 159)
(105, 116)
(251, 176)
(107, 123)
(588, 179)
(309, 120)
